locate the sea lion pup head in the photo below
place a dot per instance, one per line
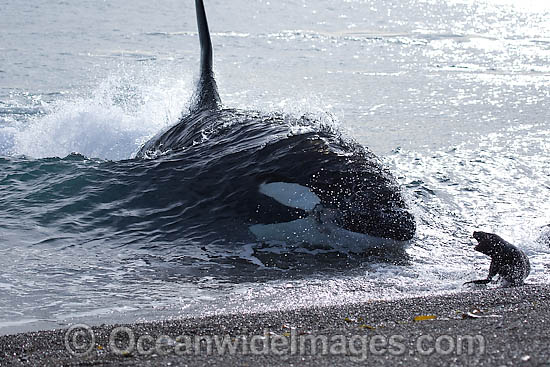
(488, 243)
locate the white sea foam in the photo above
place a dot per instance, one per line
(111, 122)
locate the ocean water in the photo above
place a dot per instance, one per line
(453, 96)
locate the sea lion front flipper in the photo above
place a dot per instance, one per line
(493, 269)
(479, 281)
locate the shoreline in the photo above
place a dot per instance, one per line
(481, 327)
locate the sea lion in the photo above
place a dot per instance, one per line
(507, 260)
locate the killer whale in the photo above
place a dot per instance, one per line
(307, 184)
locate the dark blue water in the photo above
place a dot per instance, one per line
(452, 96)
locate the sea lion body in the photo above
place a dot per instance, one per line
(507, 261)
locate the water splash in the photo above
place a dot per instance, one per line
(109, 123)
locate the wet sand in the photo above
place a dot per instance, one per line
(478, 327)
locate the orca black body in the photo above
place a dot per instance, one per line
(507, 261)
(298, 180)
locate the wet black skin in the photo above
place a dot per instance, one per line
(344, 175)
(507, 261)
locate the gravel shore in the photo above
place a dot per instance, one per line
(480, 327)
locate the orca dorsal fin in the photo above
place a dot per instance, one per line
(206, 95)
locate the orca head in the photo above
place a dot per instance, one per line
(336, 217)
(369, 200)
(395, 223)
